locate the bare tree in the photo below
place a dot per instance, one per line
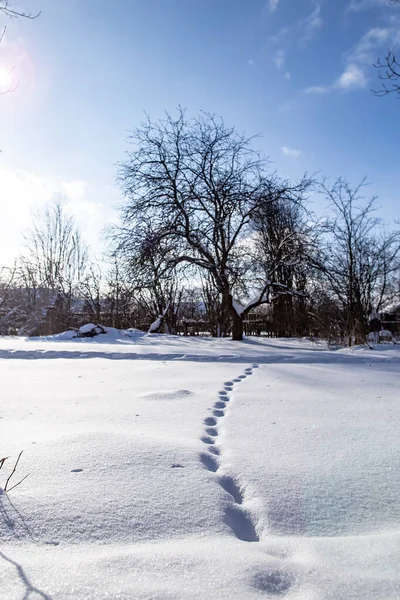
(7, 281)
(143, 255)
(284, 241)
(91, 290)
(215, 312)
(119, 304)
(55, 260)
(11, 308)
(358, 259)
(198, 183)
(389, 69)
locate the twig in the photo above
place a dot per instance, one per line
(14, 486)
(13, 471)
(16, 14)
(2, 461)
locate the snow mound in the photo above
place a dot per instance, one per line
(90, 330)
(167, 395)
(65, 335)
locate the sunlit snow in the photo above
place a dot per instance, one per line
(179, 468)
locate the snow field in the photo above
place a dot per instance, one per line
(188, 469)
(321, 468)
(137, 448)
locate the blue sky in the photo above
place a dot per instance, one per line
(296, 71)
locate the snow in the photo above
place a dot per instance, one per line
(155, 325)
(186, 468)
(391, 308)
(92, 329)
(259, 298)
(385, 334)
(87, 328)
(158, 322)
(238, 307)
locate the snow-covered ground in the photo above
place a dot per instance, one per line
(182, 468)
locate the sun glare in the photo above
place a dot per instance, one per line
(6, 80)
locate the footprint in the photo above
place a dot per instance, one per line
(255, 366)
(248, 371)
(76, 470)
(220, 405)
(214, 450)
(240, 523)
(236, 517)
(212, 431)
(229, 485)
(209, 462)
(207, 440)
(275, 582)
(217, 413)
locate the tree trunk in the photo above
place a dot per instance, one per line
(236, 320)
(237, 326)
(223, 316)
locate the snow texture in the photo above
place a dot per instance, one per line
(185, 468)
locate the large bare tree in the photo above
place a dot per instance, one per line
(197, 183)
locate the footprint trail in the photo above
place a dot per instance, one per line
(237, 517)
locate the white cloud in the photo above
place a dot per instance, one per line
(273, 5)
(288, 75)
(74, 190)
(311, 24)
(351, 78)
(290, 151)
(360, 58)
(279, 59)
(23, 192)
(365, 49)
